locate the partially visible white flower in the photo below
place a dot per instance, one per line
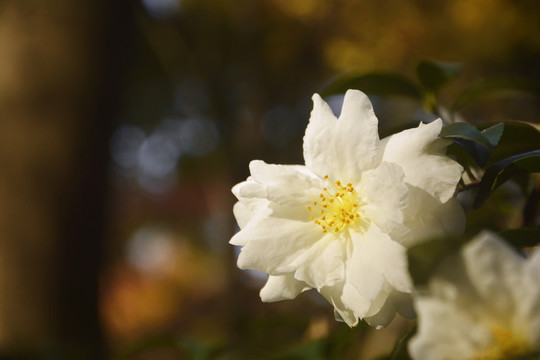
(342, 222)
(482, 305)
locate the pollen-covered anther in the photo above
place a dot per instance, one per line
(339, 206)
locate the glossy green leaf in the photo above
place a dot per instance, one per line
(433, 75)
(523, 237)
(479, 153)
(462, 156)
(493, 133)
(517, 138)
(504, 170)
(472, 140)
(383, 84)
(466, 131)
(496, 87)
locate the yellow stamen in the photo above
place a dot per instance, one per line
(505, 345)
(339, 206)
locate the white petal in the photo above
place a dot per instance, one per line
(421, 155)
(488, 283)
(529, 293)
(248, 214)
(335, 295)
(249, 189)
(323, 264)
(248, 210)
(282, 287)
(396, 302)
(445, 332)
(285, 184)
(381, 299)
(376, 255)
(285, 189)
(345, 147)
(426, 217)
(241, 213)
(363, 272)
(352, 300)
(357, 133)
(386, 194)
(376, 269)
(494, 269)
(403, 303)
(272, 245)
(319, 151)
(238, 239)
(384, 314)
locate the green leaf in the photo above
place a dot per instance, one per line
(479, 153)
(425, 258)
(517, 138)
(433, 75)
(504, 170)
(494, 88)
(493, 133)
(466, 131)
(467, 136)
(462, 156)
(523, 237)
(383, 84)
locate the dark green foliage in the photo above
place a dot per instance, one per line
(491, 154)
(466, 131)
(523, 237)
(494, 88)
(434, 75)
(383, 84)
(517, 138)
(471, 139)
(504, 170)
(425, 258)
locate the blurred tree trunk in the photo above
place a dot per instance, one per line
(60, 63)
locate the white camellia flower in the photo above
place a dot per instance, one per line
(482, 305)
(342, 222)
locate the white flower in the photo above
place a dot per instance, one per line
(341, 223)
(482, 305)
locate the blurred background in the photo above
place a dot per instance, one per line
(124, 125)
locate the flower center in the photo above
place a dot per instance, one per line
(505, 345)
(337, 208)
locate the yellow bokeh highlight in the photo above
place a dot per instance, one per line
(302, 9)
